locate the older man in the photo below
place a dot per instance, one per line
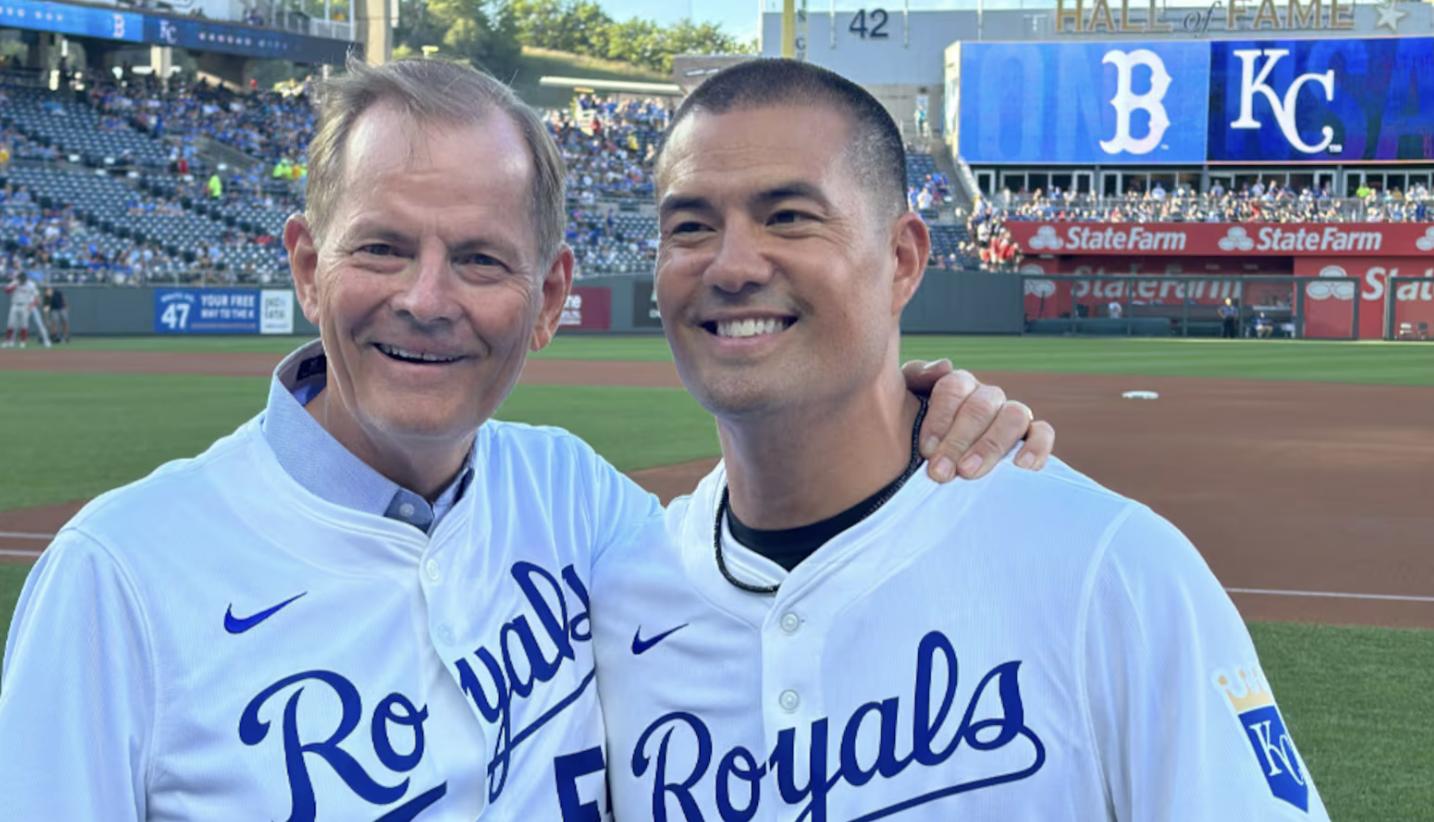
(825, 633)
(370, 601)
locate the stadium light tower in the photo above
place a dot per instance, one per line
(789, 28)
(376, 19)
(794, 29)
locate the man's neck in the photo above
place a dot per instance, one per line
(797, 468)
(424, 467)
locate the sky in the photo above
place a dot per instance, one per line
(737, 17)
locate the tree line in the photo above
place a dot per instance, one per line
(491, 33)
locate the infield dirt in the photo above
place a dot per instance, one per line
(1316, 488)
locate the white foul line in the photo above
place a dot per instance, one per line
(26, 535)
(1330, 595)
(4, 552)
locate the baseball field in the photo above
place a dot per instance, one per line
(1302, 470)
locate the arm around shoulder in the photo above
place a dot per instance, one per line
(77, 693)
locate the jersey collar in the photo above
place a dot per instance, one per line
(319, 463)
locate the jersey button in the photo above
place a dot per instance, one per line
(790, 622)
(430, 570)
(445, 634)
(789, 700)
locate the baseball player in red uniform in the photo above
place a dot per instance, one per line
(24, 301)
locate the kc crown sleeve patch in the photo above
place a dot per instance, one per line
(1252, 703)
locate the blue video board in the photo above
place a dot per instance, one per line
(1106, 103)
(1322, 100)
(81, 21)
(209, 35)
(195, 33)
(206, 310)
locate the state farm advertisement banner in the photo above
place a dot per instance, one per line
(1225, 239)
(1051, 299)
(1370, 279)
(588, 308)
(1154, 296)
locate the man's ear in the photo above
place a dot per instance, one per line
(557, 282)
(911, 246)
(303, 263)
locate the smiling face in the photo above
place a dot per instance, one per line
(779, 277)
(426, 285)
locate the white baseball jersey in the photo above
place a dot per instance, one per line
(22, 297)
(215, 642)
(1027, 647)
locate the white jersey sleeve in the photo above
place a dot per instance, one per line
(621, 507)
(77, 697)
(1184, 721)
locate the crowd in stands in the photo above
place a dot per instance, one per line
(932, 192)
(608, 146)
(1260, 201)
(612, 242)
(55, 244)
(989, 245)
(234, 206)
(268, 126)
(986, 245)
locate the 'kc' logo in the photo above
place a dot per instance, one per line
(1126, 102)
(1254, 82)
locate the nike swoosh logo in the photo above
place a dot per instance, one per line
(238, 625)
(642, 646)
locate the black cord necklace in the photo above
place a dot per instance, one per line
(872, 506)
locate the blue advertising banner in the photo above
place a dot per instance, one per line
(81, 21)
(185, 32)
(1322, 100)
(206, 311)
(209, 35)
(1106, 103)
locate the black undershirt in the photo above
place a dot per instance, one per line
(789, 546)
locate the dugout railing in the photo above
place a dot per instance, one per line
(1190, 306)
(1409, 309)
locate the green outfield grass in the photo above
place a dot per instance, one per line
(196, 344)
(87, 433)
(12, 577)
(1359, 706)
(1353, 362)
(634, 428)
(81, 447)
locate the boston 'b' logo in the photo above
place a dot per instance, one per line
(1126, 102)
(1250, 697)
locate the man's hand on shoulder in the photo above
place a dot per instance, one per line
(970, 426)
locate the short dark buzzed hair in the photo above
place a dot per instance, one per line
(876, 150)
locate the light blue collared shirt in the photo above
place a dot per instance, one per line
(318, 462)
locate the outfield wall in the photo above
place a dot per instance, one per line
(122, 311)
(949, 302)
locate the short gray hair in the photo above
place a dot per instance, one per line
(430, 91)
